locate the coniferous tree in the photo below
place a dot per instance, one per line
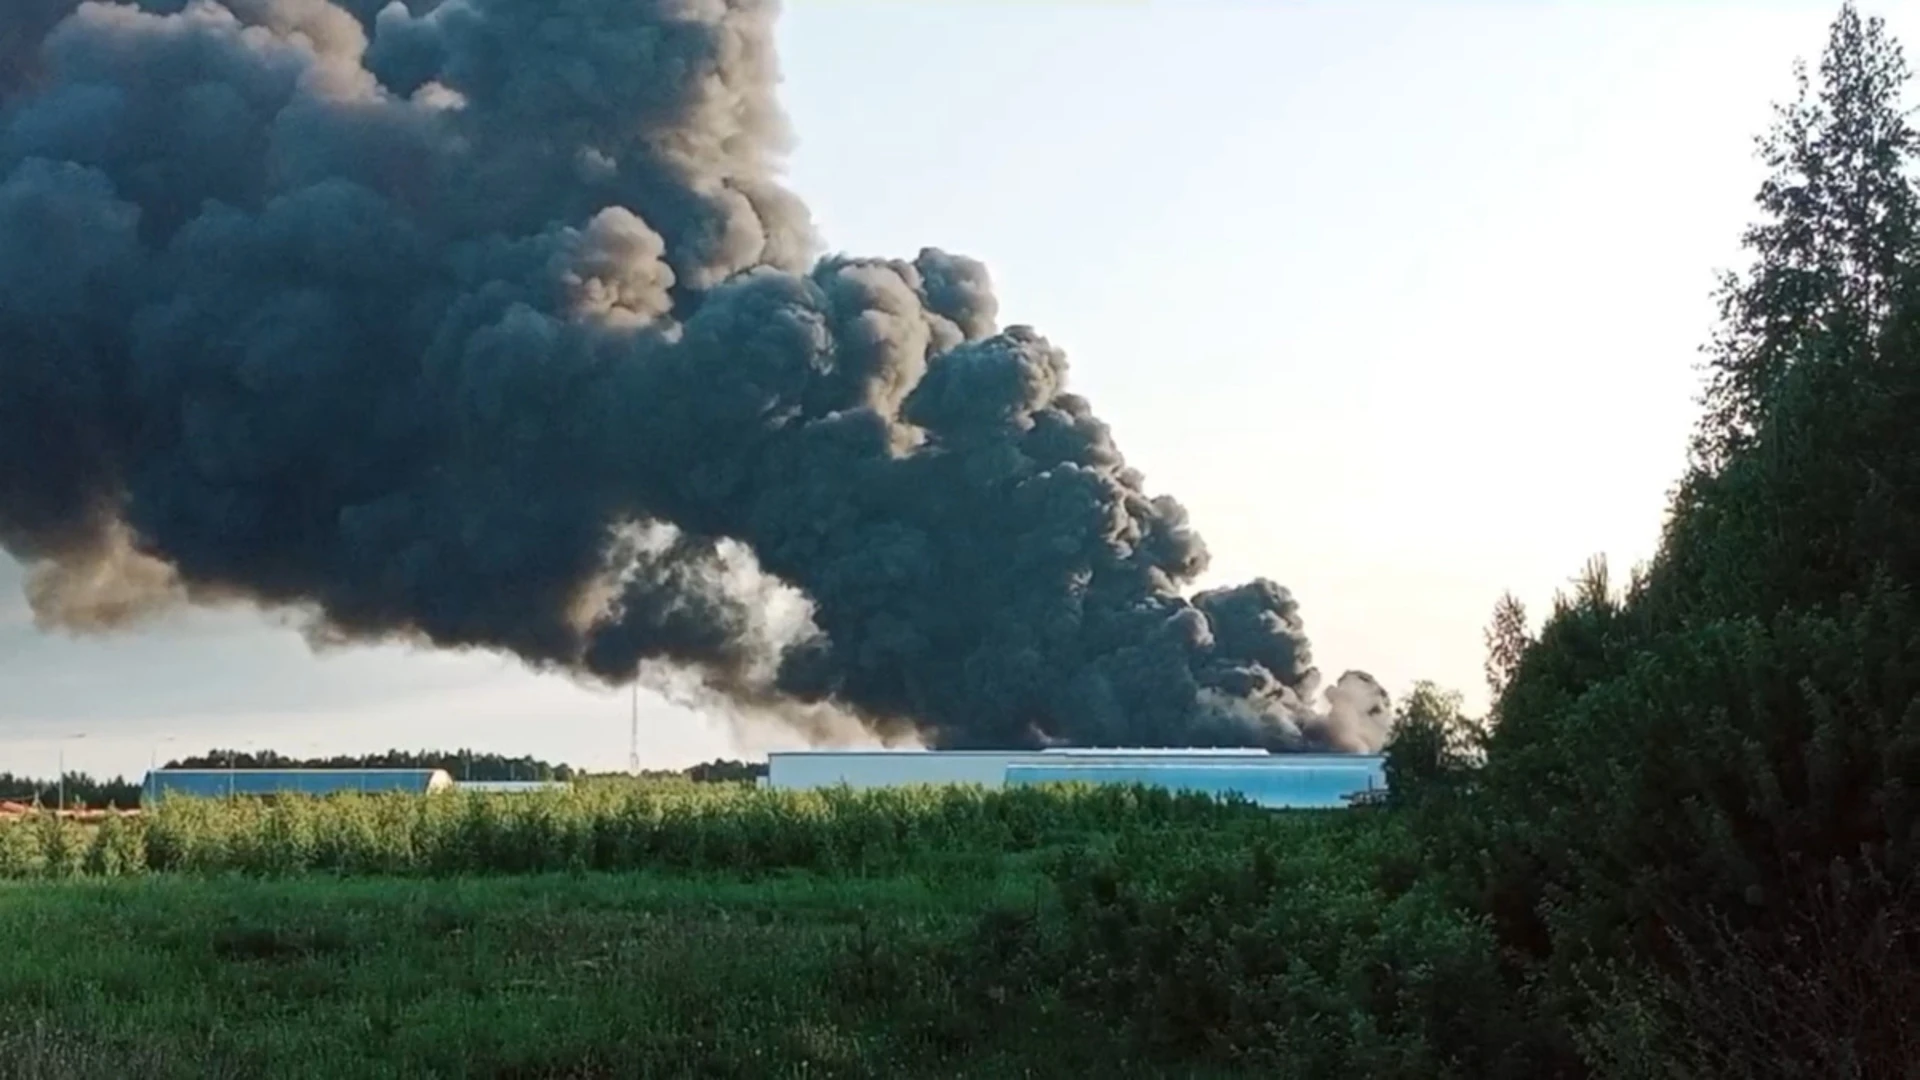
(1693, 775)
(1835, 245)
(1507, 639)
(1804, 456)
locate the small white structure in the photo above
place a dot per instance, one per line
(1271, 779)
(509, 787)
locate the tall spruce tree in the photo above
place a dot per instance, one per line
(1836, 241)
(1507, 639)
(1798, 489)
(1693, 780)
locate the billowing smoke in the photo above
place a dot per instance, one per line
(487, 323)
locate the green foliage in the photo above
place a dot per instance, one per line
(726, 771)
(1434, 746)
(1277, 954)
(556, 976)
(19, 849)
(61, 845)
(460, 764)
(1693, 833)
(118, 847)
(1507, 639)
(1736, 786)
(1144, 928)
(1835, 251)
(625, 826)
(82, 790)
(1804, 487)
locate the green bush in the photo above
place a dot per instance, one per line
(1278, 952)
(19, 849)
(62, 845)
(1734, 817)
(118, 847)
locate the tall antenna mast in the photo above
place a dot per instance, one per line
(633, 734)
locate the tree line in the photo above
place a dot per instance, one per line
(461, 764)
(82, 790)
(85, 790)
(1692, 819)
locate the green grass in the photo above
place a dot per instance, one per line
(591, 975)
(638, 931)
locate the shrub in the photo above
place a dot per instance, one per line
(1278, 951)
(118, 847)
(1711, 834)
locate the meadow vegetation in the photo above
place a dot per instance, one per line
(651, 928)
(1682, 844)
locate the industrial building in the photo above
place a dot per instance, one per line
(1271, 780)
(223, 783)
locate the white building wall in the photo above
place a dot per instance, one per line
(803, 769)
(501, 787)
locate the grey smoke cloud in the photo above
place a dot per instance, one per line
(489, 323)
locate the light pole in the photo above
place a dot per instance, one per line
(230, 768)
(153, 753)
(61, 806)
(151, 789)
(633, 733)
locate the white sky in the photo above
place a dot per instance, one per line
(1402, 300)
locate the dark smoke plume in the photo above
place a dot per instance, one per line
(487, 323)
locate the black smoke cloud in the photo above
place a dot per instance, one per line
(488, 323)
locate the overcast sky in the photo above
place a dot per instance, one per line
(1403, 301)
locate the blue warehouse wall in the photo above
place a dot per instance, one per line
(1277, 785)
(220, 783)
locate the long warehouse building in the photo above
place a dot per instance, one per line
(162, 784)
(1271, 780)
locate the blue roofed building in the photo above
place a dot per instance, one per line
(1276, 781)
(162, 784)
(1305, 781)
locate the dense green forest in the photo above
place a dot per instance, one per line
(82, 790)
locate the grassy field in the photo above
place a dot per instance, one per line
(590, 975)
(710, 932)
